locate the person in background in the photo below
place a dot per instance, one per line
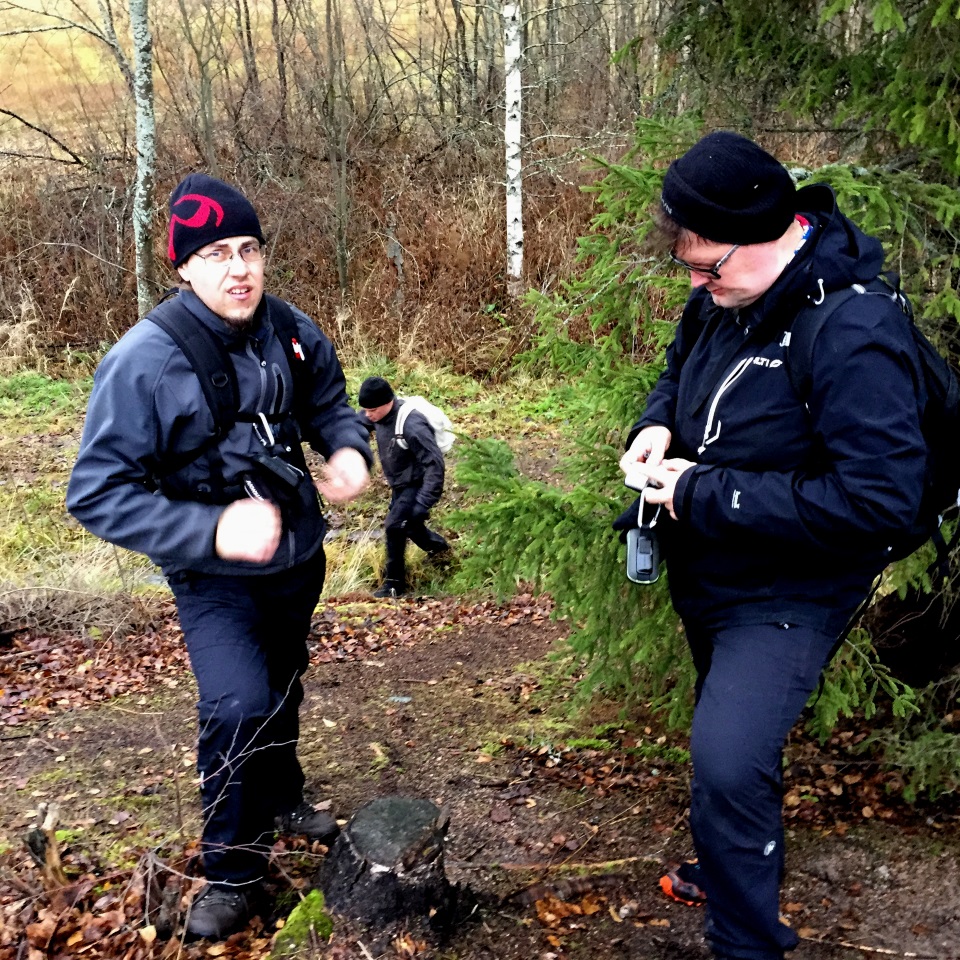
(781, 507)
(234, 521)
(414, 469)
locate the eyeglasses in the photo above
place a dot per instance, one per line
(713, 271)
(221, 256)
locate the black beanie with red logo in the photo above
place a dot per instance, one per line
(204, 210)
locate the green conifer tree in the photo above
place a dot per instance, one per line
(862, 94)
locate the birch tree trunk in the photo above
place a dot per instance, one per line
(338, 93)
(284, 93)
(512, 55)
(146, 138)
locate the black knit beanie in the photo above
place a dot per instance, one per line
(374, 392)
(728, 190)
(204, 210)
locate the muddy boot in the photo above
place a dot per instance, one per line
(441, 560)
(389, 588)
(306, 821)
(217, 911)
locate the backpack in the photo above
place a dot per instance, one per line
(939, 423)
(438, 420)
(214, 369)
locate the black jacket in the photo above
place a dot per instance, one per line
(789, 514)
(147, 408)
(419, 466)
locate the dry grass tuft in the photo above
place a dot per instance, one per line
(19, 343)
(425, 248)
(97, 590)
(354, 562)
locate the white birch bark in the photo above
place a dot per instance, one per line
(146, 139)
(512, 58)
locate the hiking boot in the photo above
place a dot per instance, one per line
(389, 591)
(217, 911)
(441, 559)
(309, 822)
(683, 884)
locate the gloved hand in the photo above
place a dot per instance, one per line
(418, 512)
(627, 520)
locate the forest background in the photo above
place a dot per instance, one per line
(375, 139)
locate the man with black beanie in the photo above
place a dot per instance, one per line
(230, 514)
(781, 501)
(413, 466)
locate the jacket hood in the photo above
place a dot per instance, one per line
(837, 255)
(842, 253)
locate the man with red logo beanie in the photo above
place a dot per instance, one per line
(230, 514)
(781, 501)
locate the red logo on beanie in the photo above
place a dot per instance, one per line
(205, 206)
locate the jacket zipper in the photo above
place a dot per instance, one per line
(731, 377)
(253, 351)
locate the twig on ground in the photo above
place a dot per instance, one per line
(10, 877)
(565, 865)
(882, 951)
(27, 736)
(41, 841)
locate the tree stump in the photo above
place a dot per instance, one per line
(387, 864)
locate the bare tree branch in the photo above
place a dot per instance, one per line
(47, 134)
(25, 30)
(105, 33)
(36, 156)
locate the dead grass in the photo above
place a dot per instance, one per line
(19, 345)
(66, 270)
(92, 612)
(354, 561)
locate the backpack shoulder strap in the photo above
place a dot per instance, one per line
(285, 325)
(811, 317)
(398, 426)
(209, 359)
(805, 329)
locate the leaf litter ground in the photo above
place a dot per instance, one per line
(557, 838)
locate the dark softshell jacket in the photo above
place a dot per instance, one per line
(147, 409)
(420, 466)
(793, 505)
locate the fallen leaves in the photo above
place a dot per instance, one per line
(46, 674)
(624, 765)
(561, 913)
(360, 628)
(103, 913)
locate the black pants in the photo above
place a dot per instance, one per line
(246, 636)
(753, 682)
(398, 529)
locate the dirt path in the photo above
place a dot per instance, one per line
(438, 704)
